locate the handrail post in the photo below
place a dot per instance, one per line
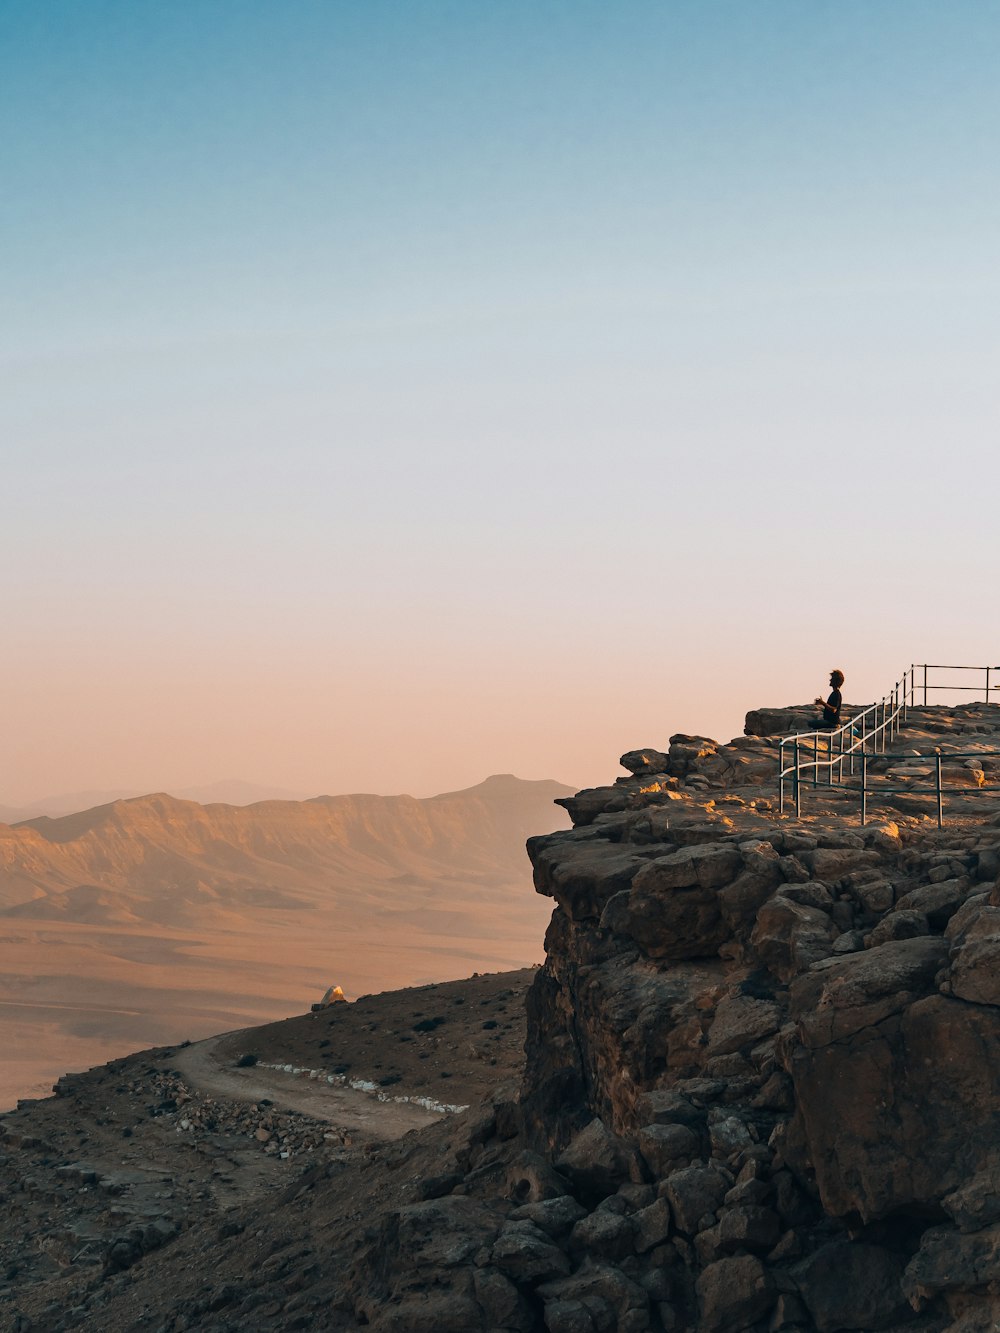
(925, 684)
(781, 777)
(864, 787)
(940, 797)
(795, 779)
(987, 684)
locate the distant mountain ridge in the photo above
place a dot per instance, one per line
(230, 791)
(152, 919)
(174, 860)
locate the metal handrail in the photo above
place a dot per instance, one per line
(872, 725)
(937, 789)
(927, 666)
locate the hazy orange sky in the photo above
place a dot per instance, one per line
(395, 395)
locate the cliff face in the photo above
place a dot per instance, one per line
(782, 1039)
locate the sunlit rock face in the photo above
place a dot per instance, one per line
(785, 1033)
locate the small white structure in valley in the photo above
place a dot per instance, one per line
(334, 995)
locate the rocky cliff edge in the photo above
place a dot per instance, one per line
(762, 1088)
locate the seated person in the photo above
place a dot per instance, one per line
(831, 708)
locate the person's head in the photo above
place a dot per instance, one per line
(836, 678)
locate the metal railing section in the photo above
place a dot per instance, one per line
(935, 789)
(867, 734)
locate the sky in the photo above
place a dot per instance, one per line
(394, 393)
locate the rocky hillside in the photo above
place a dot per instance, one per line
(761, 1095)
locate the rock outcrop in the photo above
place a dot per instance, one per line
(788, 1034)
(762, 1085)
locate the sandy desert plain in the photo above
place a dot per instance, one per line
(153, 920)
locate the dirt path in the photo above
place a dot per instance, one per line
(207, 1066)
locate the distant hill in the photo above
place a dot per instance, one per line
(155, 918)
(231, 791)
(173, 859)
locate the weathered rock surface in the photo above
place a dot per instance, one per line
(798, 1028)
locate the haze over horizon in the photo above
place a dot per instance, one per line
(395, 395)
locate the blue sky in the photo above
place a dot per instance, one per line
(504, 384)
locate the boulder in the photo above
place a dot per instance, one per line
(526, 1254)
(789, 937)
(741, 1021)
(728, 1135)
(598, 1299)
(809, 893)
(748, 1226)
(976, 1202)
(688, 752)
(664, 1147)
(741, 900)
(582, 876)
(667, 1106)
(898, 925)
(733, 1294)
(585, 806)
(694, 1193)
(874, 895)
(664, 920)
(705, 866)
(852, 1285)
(845, 994)
(938, 902)
(975, 958)
(947, 1261)
(604, 1235)
(644, 762)
(779, 721)
(556, 1217)
(883, 1112)
(503, 1306)
(596, 1162)
(651, 1226)
(830, 863)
